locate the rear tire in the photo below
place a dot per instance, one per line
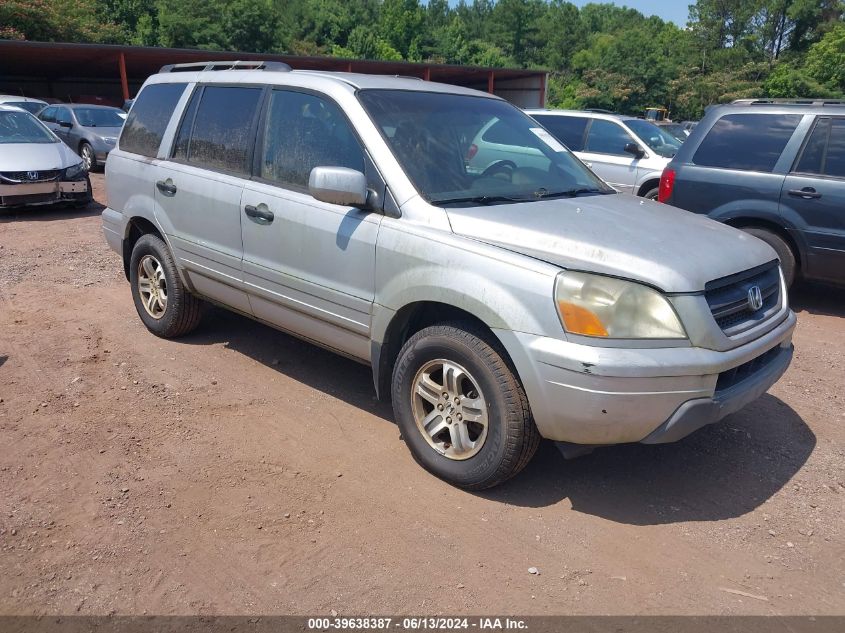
(162, 301)
(494, 439)
(89, 158)
(781, 247)
(651, 194)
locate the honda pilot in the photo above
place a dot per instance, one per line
(494, 307)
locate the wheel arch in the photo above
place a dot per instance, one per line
(409, 320)
(135, 229)
(745, 222)
(648, 185)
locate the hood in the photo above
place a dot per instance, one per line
(36, 156)
(618, 235)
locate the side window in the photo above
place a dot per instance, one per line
(223, 132)
(304, 131)
(502, 134)
(48, 115)
(813, 154)
(834, 164)
(824, 152)
(607, 137)
(569, 130)
(752, 142)
(63, 116)
(149, 117)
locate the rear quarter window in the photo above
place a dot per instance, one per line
(749, 142)
(145, 125)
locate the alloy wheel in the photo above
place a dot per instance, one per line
(87, 157)
(449, 409)
(152, 286)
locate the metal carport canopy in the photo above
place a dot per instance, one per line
(46, 69)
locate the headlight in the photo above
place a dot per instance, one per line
(594, 305)
(74, 170)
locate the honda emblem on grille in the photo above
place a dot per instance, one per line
(755, 298)
(32, 175)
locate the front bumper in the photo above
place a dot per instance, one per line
(599, 395)
(40, 193)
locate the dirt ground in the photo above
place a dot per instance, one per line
(241, 471)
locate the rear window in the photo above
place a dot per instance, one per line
(149, 117)
(569, 130)
(223, 129)
(750, 142)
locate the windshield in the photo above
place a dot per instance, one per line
(657, 139)
(29, 106)
(96, 117)
(676, 130)
(22, 127)
(460, 149)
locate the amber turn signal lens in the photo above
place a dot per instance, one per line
(579, 320)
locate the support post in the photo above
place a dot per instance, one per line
(543, 90)
(124, 82)
(427, 74)
(491, 81)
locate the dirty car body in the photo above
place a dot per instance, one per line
(617, 319)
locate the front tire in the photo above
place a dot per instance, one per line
(461, 409)
(162, 301)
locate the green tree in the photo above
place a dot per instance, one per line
(56, 21)
(826, 60)
(400, 25)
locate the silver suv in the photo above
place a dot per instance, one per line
(529, 300)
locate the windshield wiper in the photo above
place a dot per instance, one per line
(481, 200)
(574, 193)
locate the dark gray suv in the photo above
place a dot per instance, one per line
(775, 170)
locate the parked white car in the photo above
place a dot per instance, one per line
(36, 167)
(627, 153)
(29, 104)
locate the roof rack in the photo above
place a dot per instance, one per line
(226, 65)
(809, 101)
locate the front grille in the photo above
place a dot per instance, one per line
(37, 198)
(732, 377)
(729, 302)
(18, 177)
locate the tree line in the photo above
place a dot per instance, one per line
(598, 56)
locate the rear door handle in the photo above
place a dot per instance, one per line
(167, 188)
(808, 193)
(260, 214)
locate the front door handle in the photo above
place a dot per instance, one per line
(167, 188)
(260, 214)
(808, 193)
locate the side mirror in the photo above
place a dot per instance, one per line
(633, 148)
(338, 185)
(66, 124)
